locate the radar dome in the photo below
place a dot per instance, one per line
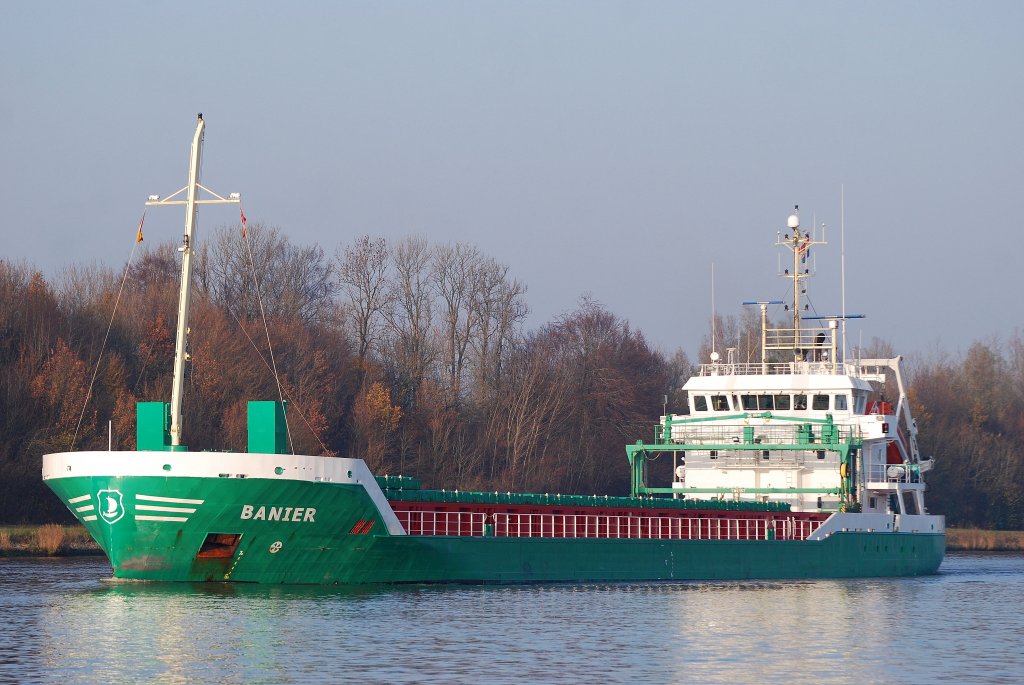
(714, 357)
(793, 221)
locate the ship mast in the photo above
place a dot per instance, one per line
(799, 242)
(188, 244)
(793, 223)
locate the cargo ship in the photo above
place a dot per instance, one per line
(793, 465)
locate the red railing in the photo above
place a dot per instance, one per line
(604, 526)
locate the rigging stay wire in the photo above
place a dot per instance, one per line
(266, 328)
(110, 324)
(263, 359)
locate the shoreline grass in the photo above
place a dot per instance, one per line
(46, 540)
(54, 540)
(978, 540)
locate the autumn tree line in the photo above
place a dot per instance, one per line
(415, 357)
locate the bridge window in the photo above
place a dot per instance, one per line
(820, 403)
(764, 402)
(782, 402)
(840, 402)
(749, 402)
(800, 402)
(700, 403)
(720, 403)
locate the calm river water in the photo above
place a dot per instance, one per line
(60, 623)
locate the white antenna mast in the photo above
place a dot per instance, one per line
(842, 259)
(185, 294)
(799, 243)
(714, 352)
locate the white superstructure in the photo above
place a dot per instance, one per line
(800, 426)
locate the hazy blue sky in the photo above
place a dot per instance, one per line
(609, 148)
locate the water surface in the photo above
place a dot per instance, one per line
(59, 622)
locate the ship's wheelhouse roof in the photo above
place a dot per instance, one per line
(772, 383)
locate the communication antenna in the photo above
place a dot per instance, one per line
(842, 260)
(714, 351)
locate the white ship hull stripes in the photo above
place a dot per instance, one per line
(176, 510)
(169, 500)
(167, 505)
(161, 505)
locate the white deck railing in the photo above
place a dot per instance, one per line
(892, 473)
(822, 368)
(777, 434)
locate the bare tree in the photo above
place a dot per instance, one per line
(532, 408)
(292, 281)
(363, 274)
(80, 286)
(409, 314)
(499, 309)
(741, 334)
(454, 279)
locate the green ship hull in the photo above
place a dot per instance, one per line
(298, 531)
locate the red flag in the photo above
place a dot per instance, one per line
(242, 214)
(138, 238)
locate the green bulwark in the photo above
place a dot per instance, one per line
(267, 431)
(152, 426)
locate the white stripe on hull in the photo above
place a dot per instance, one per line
(176, 510)
(173, 500)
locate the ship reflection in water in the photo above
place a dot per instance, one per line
(63, 625)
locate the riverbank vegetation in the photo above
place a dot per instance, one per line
(417, 358)
(49, 539)
(977, 540)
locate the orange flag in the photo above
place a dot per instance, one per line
(242, 214)
(138, 238)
